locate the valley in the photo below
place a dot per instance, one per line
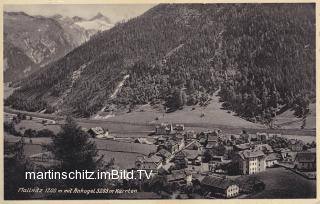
(212, 100)
(30, 45)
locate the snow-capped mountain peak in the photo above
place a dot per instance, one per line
(98, 22)
(100, 16)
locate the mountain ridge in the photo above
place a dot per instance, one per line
(42, 39)
(178, 55)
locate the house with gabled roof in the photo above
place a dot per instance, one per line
(267, 149)
(164, 129)
(262, 136)
(220, 187)
(164, 154)
(305, 161)
(287, 155)
(272, 159)
(149, 164)
(96, 131)
(182, 176)
(172, 146)
(250, 161)
(243, 146)
(142, 140)
(192, 156)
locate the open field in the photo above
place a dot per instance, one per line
(35, 124)
(283, 183)
(145, 117)
(111, 145)
(124, 153)
(38, 140)
(305, 139)
(123, 160)
(287, 120)
(213, 114)
(125, 127)
(134, 131)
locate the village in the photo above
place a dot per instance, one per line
(189, 164)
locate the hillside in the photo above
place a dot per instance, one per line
(212, 115)
(40, 39)
(16, 64)
(32, 42)
(287, 119)
(178, 55)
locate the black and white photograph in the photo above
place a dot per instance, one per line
(159, 101)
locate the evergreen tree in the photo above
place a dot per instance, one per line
(15, 166)
(75, 151)
(73, 148)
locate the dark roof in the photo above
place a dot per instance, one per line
(97, 130)
(243, 146)
(161, 138)
(149, 166)
(248, 184)
(217, 158)
(178, 175)
(244, 135)
(264, 147)
(306, 157)
(272, 156)
(193, 146)
(164, 153)
(171, 142)
(203, 140)
(250, 154)
(174, 177)
(180, 155)
(191, 154)
(153, 159)
(295, 142)
(217, 182)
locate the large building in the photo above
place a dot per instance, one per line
(164, 129)
(305, 161)
(220, 187)
(250, 161)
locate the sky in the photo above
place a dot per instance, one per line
(115, 12)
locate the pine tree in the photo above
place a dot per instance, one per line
(15, 166)
(73, 148)
(76, 152)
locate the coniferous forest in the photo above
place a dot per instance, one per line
(259, 58)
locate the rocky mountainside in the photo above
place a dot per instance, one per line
(42, 40)
(260, 57)
(16, 63)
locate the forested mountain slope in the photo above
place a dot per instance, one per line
(260, 56)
